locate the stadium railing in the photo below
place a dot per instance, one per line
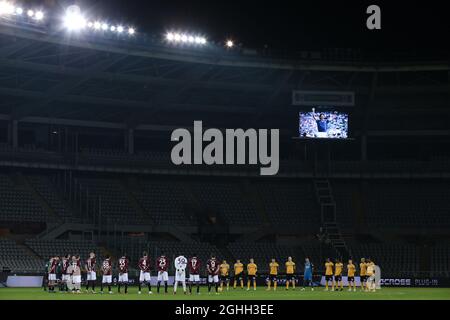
(160, 162)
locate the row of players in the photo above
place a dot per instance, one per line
(218, 273)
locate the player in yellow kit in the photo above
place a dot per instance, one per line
(363, 273)
(273, 266)
(290, 273)
(238, 274)
(252, 268)
(370, 283)
(337, 283)
(351, 270)
(328, 273)
(224, 275)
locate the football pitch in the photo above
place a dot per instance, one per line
(237, 294)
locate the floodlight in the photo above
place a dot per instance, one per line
(104, 26)
(131, 31)
(73, 20)
(185, 38)
(19, 11)
(170, 36)
(230, 44)
(97, 25)
(30, 13)
(119, 29)
(6, 8)
(39, 15)
(90, 24)
(113, 28)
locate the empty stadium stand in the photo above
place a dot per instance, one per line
(47, 249)
(394, 259)
(48, 191)
(440, 260)
(17, 204)
(405, 203)
(110, 196)
(289, 203)
(163, 201)
(393, 203)
(226, 199)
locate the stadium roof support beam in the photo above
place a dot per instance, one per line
(40, 67)
(241, 61)
(171, 95)
(66, 86)
(102, 75)
(13, 48)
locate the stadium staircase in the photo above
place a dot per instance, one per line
(66, 191)
(53, 231)
(21, 182)
(20, 242)
(324, 195)
(60, 197)
(29, 251)
(127, 188)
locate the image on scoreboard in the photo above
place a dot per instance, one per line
(323, 124)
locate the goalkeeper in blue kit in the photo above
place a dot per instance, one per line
(307, 275)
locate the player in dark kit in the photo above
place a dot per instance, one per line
(59, 274)
(46, 269)
(144, 277)
(194, 265)
(107, 274)
(123, 273)
(53, 265)
(90, 266)
(162, 265)
(65, 277)
(212, 266)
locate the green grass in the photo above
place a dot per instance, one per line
(238, 294)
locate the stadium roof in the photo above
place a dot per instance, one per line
(44, 73)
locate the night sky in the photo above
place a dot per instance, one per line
(284, 25)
